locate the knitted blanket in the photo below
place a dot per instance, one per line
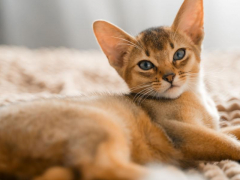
(29, 74)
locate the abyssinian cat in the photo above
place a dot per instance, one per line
(167, 117)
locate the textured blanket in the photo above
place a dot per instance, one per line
(29, 74)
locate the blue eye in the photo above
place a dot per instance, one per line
(179, 54)
(145, 65)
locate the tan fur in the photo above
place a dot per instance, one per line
(112, 136)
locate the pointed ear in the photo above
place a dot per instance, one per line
(113, 41)
(190, 20)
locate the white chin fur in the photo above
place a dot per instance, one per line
(160, 172)
(171, 93)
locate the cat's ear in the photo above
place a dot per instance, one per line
(190, 20)
(113, 41)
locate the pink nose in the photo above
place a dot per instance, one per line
(169, 77)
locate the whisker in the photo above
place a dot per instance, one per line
(183, 76)
(139, 94)
(146, 96)
(140, 86)
(181, 72)
(142, 95)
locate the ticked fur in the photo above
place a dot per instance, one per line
(166, 118)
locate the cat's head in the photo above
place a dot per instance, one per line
(161, 61)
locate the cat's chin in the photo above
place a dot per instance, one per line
(171, 93)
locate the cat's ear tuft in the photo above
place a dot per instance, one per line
(113, 41)
(190, 20)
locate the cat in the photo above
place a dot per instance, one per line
(167, 117)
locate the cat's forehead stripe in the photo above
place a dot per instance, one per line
(155, 38)
(147, 53)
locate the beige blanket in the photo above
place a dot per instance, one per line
(29, 74)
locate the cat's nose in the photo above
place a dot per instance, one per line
(169, 77)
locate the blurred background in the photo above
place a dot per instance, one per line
(64, 23)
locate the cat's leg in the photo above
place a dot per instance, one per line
(56, 173)
(232, 131)
(112, 162)
(201, 143)
(107, 157)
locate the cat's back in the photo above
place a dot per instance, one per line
(65, 106)
(66, 113)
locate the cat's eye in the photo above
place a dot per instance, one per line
(179, 54)
(145, 65)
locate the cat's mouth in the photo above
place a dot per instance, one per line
(172, 92)
(172, 87)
